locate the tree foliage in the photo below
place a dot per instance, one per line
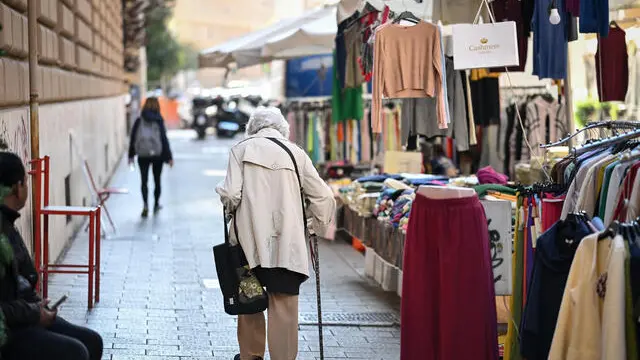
(165, 54)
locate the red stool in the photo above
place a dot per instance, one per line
(40, 173)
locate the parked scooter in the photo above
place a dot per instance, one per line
(232, 117)
(202, 116)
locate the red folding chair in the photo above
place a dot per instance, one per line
(40, 172)
(101, 195)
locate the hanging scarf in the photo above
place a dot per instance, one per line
(6, 259)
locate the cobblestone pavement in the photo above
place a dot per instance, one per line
(160, 299)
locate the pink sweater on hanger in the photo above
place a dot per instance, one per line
(407, 64)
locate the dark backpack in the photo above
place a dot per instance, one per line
(148, 139)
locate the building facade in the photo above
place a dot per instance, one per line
(81, 92)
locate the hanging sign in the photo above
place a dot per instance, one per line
(490, 45)
(485, 45)
(499, 221)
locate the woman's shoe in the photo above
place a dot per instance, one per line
(145, 212)
(157, 208)
(237, 357)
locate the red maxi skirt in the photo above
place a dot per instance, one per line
(448, 309)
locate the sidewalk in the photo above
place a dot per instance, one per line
(159, 294)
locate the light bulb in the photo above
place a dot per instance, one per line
(554, 17)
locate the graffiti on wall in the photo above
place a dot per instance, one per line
(14, 137)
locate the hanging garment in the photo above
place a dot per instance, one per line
(581, 175)
(365, 127)
(512, 10)
(594, 17)
(408, 64)
(485, 96)
(512, 344)
(353, 40)
(551, 210)
(549, 41)
(446, 296)
(553, 259)
(591, 323)
(612, 66)
(545, 121)
(345, 103)
(419, 115)
(341, 49)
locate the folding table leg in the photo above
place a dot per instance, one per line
(90, 278)
(98, 240)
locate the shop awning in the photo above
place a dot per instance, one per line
(292, 37)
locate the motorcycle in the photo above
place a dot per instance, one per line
(230, 119)
(202, 116)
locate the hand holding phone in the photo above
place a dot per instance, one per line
(57, 304)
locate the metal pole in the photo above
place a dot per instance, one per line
(568, 94)
(33, 100)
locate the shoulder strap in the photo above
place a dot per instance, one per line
(295, 166)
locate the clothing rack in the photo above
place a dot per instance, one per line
(607, 124)
(608, 142)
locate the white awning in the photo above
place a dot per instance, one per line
(275, 41)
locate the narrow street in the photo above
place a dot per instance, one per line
(159, 292)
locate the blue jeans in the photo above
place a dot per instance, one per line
(61, 341)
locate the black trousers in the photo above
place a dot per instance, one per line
(156, 164)
(61, 341)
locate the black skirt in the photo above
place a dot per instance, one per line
(280, 280)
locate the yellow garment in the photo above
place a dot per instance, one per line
(591, 324)
(511, 331)
(600, 179)
(479, 74)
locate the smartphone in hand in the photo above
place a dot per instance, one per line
(57, 304)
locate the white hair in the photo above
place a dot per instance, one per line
(268, 118)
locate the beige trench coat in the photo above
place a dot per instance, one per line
(262, 187)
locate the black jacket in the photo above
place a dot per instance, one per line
(155, 117)
(18, 299)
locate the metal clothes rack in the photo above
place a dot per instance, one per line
(632, 128)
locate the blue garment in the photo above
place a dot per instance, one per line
(550, 42)
(551, 267)
(594, 17)
(597, 223)
(378, 178)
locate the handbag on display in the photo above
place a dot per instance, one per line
(242, 291)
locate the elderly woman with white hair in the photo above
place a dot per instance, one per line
(261, 188)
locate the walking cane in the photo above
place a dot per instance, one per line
(315, 261)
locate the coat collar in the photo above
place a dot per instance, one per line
(268, 132)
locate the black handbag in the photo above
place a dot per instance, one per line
(242, 291)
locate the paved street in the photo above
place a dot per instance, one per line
(159, 296)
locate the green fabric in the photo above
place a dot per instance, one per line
(602, 208)
(516, 309)
(629, 324)
(483, 189)
(346, 104)
(310, 130)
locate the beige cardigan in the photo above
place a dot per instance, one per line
(589, 327)
(261, 185)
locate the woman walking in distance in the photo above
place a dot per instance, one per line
(150, 143)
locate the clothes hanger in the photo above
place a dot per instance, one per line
(407, 16)
(611, 231)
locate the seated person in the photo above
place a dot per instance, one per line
(28, 330)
